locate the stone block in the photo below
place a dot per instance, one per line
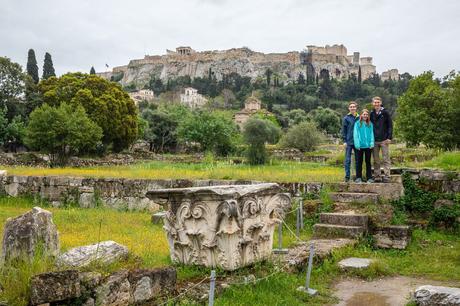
(354, 263)
(105, 252)
(392, 236)
(222, 226)
(54, 287)
(437, 295)
(337, 231)
(24, 234)
(147, 284)
(114, 290)
(344, 219)
(357, 197)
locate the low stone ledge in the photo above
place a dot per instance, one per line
(437, 295)
(392, 236)
(71, 287)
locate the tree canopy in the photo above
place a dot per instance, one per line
(105, 103)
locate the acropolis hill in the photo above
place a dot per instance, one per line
(186, 61)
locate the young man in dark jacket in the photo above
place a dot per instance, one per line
(383, 133)
(347, 136)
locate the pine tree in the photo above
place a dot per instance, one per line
(48, 69)
(92, 71)
(32, 68)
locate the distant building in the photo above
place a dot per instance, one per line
(392, 74)
(142, 95)
(192, 98)
(251, 106)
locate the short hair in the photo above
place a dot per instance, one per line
(353, 102)
(377, 98)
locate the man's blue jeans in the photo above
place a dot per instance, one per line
(348, 151)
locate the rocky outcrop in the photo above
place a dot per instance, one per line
(71, 287)
(222, 226)
(105, 252)
(24, 235)
(436, 295)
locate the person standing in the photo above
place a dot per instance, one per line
(383, 133)
(347, 136)
(363, 137)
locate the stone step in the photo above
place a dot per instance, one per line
(344, 219)
(358, 197)
(329, 231)
(395, 178)
(387, 191)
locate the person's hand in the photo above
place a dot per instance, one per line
(388, 141)
(345, 144)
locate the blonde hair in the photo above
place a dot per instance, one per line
(352, 102)
(377, 98)
(368, 120)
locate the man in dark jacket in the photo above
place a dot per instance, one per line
(383, 133)
(347, 136)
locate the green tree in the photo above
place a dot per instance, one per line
(257, 132)
(92, 71)
(161, 132)
(304, 136)
(427, 113)
(327, 120)
(105, 103)
(12, 85)
(48, 68)
(32, 67)
(213, 131)
(61, 132)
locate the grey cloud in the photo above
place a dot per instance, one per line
(410, 35)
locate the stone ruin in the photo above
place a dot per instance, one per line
(222, 226)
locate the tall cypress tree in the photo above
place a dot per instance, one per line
(92, 71)
(359, 75)
(48, 69)
(32, 68)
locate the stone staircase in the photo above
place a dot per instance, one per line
(345, 222)
(341, 225)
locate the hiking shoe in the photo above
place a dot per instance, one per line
(377, 180)
(370, 181)
(347, 179)
(358, 180)
(386, 180)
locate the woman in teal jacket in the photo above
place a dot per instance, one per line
(363, 137)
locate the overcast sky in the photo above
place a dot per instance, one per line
(411, 35)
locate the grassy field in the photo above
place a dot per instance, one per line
(433, 255)
(277, 171)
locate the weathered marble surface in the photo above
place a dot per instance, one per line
(222, 226)
(23, 235)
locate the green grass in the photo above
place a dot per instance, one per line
(433, 255)
(278, 171)
(445, 161)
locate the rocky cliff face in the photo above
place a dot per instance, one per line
(198, 64)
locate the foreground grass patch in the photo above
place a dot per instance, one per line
(276, 171)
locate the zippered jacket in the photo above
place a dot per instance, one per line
(383, 125)
(347, 128)
(363, 135)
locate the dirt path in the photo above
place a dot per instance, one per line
(389, 291)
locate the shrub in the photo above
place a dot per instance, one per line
(61, 132)
(256, 133)
(304, 136)
(213, 131)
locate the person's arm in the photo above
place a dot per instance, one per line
(372, 136)
(344, 130)
(356, 135)
(390, 126)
